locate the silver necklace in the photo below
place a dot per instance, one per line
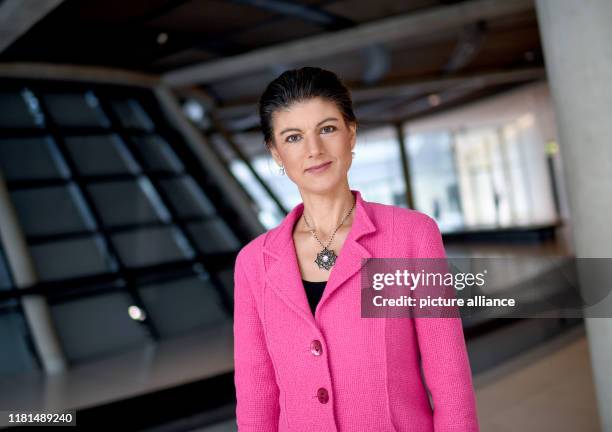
(327, 257)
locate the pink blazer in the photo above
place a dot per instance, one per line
(337, 371)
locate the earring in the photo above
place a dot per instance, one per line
(353, 153)
(281, 170)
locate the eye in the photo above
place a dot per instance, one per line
(328, 129)
(292, 138)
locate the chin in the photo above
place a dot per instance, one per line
(323, 186)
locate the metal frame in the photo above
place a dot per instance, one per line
(124, 279)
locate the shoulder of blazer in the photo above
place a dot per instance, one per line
(400, 220)
(250, 253)
(409, 221)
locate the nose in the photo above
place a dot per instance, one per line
(314, 145)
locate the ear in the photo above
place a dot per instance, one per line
(353, 133)
(276, 155)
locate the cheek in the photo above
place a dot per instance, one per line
(342, 148)
(293, 164)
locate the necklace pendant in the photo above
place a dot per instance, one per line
(326, 259)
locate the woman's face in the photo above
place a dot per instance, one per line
(313, 134)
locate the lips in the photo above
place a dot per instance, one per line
(318, 167)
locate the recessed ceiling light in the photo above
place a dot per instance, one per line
(162, 38)
(434, 99)
(194, 110)
(136, 313)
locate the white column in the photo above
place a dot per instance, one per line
(577, 39)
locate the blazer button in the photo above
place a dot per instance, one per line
(316, 348)
(322, 395)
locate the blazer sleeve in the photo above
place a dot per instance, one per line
(444, 356)
(257, 393)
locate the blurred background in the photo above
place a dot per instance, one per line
(132, 170)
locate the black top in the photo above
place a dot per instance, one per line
(314, 291)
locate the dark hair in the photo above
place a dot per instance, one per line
(298, 85)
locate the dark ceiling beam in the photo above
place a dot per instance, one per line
(19, 16)
(396, 103)
(448, 93)
(406, 89)
(374, 108)
(81, 73)
(156, 12)
(422, 107)
(179, 42)
(469, 45)
(382, 31)
(243, 123)
(419, 105)
(222, 45)
(378, 63)
(310, 14)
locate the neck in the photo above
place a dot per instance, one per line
(325, 212)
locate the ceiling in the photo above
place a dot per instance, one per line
(401, 59)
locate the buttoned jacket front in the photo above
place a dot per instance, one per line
(336, 371)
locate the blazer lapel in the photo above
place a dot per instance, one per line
(283, 274)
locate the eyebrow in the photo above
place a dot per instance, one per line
(318, 124)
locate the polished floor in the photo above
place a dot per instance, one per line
(549, 388)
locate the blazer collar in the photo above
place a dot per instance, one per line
(283, 273)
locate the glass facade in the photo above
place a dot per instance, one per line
(130, 238)
(485, 177)
(433, 173)
(17, 354)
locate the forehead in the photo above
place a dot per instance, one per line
(305, 114)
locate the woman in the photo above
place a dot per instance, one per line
(306, 362)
